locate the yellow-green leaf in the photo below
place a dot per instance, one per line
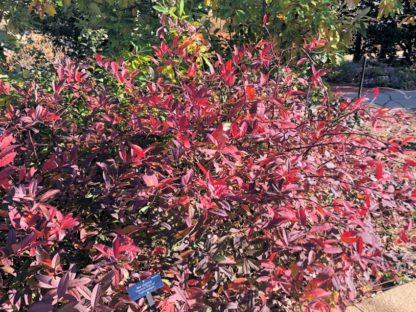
(351, 4)
(49, 9)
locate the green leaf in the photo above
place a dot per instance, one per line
(144, 210)
(161, 8)
(363, 12)
(172, 11)
(181, 5)
(95, 8)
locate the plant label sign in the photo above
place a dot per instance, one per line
(145, 287)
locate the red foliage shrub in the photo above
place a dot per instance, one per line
(243, 184)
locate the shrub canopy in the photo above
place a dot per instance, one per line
(245, 185)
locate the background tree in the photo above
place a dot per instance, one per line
(383, 37)
(83, 26)
(114, 27)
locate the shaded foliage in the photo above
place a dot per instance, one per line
(82, 27)
(383, 38)
(117, 26)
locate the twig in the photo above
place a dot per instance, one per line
(33, 144)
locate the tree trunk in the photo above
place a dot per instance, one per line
(408, 51)
(358, 50)
(383, 52)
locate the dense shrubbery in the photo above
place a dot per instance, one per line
(116, 27)
(243, 184)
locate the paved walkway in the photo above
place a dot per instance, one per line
(387, 97)
(399, 299)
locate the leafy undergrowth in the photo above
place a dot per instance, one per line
(402, 132)
(239, 181)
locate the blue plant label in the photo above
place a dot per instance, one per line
(145, 287)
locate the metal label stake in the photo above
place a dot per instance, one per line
(145, 288)
(151, 303)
